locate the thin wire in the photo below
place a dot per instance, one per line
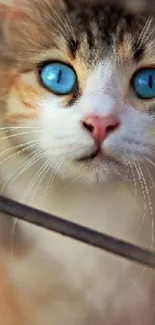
(77, 232)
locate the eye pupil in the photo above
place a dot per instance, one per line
(144, 83)
(58, 78)
(150, 81)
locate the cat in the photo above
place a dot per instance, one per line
(77, 90)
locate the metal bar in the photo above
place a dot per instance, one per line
(77, 232)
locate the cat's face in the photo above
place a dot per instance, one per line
(84, 89)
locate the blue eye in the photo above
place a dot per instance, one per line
(144, 83)
(58, 78)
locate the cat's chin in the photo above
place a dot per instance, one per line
(103, 172)
(95, 169)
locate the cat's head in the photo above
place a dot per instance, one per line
(82, 86)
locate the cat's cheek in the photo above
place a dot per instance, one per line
(27, 94)
(138, 126)
(132, 138)
(49, 107)
(22, 103)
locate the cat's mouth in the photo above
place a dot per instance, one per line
(100, 156)
(89, 157)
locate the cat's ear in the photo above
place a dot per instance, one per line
(7, 72)
(9, 8)
(10, 15)
(26, 27)
(20, 29)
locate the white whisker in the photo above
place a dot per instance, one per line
(146, 195)
(39, 178)
(52, 175)
(150, 161)
(35, 158)
(33, 181)
(19, 134)
(29, 145)
(134, 181)
(140, 179)
(13, 128)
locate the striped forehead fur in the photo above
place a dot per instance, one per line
(46, 26)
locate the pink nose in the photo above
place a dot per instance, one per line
(100, 127)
